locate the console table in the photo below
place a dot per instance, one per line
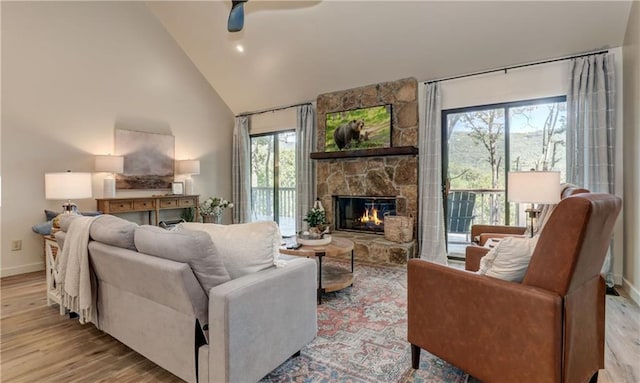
(151, 204)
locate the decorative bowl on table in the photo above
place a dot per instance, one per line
(309, 240)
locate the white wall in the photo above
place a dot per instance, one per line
(538, 81)
(631, 50)
(71, 73)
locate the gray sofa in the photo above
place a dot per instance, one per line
(237, 331)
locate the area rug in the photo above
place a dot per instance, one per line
(362, 337)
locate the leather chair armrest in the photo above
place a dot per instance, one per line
(472, 257)
(476, 230)
(484, 237)
(488, 314)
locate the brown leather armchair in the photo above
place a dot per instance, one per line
(549, 328)
(481, 233)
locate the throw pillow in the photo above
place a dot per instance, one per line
(43, 228)
(509, 259)
(113, 231)
(245, 248)
(192, 247)
(492, 242)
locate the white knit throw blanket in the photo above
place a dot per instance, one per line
(73, 281)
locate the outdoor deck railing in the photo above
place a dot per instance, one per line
(262, 201)
(489, 207)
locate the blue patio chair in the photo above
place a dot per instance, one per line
(460, 216)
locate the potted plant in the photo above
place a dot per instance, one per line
(317, 220)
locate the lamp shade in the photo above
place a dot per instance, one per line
(67, 185)
(189, 167)
(109, 164)
(534, 187)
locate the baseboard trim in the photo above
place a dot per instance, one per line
(22, 269)
(634, 294)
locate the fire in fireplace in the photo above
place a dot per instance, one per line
(365, 214)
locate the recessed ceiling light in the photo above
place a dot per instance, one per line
(239, 48)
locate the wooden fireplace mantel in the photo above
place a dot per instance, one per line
(378, 152)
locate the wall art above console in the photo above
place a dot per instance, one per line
(148, 159)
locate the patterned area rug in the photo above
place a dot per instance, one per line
(362, 337)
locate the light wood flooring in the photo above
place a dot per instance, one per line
(38, 345)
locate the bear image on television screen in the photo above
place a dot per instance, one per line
(348, 132)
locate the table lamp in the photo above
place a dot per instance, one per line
(112, 165)
(189, 167)
(534, 187)
(67, 186)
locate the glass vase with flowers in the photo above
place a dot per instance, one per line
(212, 209)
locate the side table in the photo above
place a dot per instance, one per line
(330, 277)
(50, 253)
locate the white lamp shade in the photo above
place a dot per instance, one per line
(189, 167)
(109, 164)
(534, 187)
(67, 185)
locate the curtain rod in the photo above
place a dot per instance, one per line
(505, 69)
(274, 109)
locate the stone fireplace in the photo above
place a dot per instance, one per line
(375, 175)
(361, 213)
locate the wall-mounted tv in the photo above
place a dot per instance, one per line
(365, 128)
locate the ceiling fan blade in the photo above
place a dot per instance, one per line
(236, 16)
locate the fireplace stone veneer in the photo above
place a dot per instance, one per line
(376, 176)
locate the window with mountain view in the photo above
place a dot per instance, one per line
(484, 143)
(273, 179)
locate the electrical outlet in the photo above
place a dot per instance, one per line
(16, 245)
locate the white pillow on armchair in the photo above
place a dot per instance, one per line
(509, 259)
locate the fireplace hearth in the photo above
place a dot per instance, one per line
(362, 214)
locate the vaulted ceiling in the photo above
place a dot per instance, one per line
(295, 50)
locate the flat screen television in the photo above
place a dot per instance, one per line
(357, 129)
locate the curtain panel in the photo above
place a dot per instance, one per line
(305, 166)
(591, 129)
(241, 171)
(431, 224)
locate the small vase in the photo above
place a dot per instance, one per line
(212, 218)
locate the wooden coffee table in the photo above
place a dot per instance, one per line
(330, 277)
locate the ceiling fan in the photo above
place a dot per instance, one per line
(236, 16)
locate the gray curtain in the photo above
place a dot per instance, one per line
(591, 129)
(431, 225)
(305, 166)
(241, 171)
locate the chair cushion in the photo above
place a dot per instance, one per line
(509, 259)
(245, 248)
(192, 247)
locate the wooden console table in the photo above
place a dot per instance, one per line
(149, 204)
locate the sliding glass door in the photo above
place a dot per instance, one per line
(482, 144)
(273, 179)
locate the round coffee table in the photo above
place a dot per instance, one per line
(330, 277)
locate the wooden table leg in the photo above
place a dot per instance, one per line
(320, 255)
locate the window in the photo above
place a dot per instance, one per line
(482, 144)
(273, 179)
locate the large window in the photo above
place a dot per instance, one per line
(482, 144)
(273, 179)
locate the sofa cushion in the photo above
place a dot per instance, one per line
(245, 248)
(192, 247)
(112, 230)
(509, 259)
